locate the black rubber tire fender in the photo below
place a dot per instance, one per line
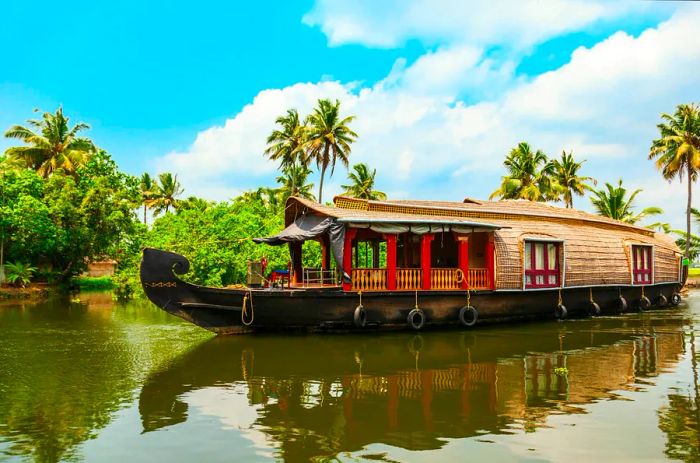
(359, 317)
(468, 316)
(661, 301)
(560, 312)
(593, 309)
(644, 303)
(416, 319)
(675, 299)
(622, 304)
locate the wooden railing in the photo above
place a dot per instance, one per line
(368, 279)
(411, 279)
(408, 278)
(445, 278)
(478, 278)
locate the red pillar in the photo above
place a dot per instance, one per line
(350, 234)
(390, 262)
(463, 258)
(426, 241)
(490, 262)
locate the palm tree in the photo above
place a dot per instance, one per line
(149, 191)
(328, 138)
(293, 182)
(193, 203)
(567, 178)
(285, 144)
(677, 152)
(529, 176)
(168, 191)
(362, 183)
(53, 146)
(613, 202)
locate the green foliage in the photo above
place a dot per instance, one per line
(165, 196)
(294, 182)
(566, 177)
(328, 138)
(94, 283)
(216, 240)
(362, 183)
(63, 220)
(55, 145)
(677, 151)
(613, 202)
(19, 273)
(530, 176)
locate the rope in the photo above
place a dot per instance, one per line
(359, 293)
(590, 295)
(469, 297)
(460, 276)
(642, 291)
(417, 299)
(560, 299)
(244, 311)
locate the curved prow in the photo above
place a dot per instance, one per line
(159, 280)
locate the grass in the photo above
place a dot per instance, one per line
(94, 283)
(694, 272)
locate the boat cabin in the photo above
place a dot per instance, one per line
(469, 245)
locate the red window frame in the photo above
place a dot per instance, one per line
(642, 274)
(545, 272)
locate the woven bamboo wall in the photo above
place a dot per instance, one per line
(592, 256)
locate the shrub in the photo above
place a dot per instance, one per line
(19, 273)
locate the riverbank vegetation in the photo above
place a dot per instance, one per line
(64, 202)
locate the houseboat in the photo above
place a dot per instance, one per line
(407, 264)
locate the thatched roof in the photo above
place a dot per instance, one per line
(597, 250)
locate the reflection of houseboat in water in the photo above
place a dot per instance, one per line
(319, 396)
(412, 263)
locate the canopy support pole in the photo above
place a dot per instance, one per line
(463, 258)
(426, 241)
(390, 262)
(350, 234)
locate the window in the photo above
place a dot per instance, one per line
(641, 265)
(542, 265)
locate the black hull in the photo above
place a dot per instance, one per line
(221, 309)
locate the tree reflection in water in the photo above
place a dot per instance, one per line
(321, 396)
(680, 419)
(67, 366)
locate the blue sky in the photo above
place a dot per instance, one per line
(441, 89)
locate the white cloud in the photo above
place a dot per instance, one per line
(498, 22)
(426, 143)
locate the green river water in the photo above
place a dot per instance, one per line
(90, 380)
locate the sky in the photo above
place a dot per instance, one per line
(441, 89)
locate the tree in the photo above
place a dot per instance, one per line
(149, 190)
(613, 202)
(362, 183)
(328, 138)
(168, 191)
(193, 203)
(529, 176)
(285, 144)
(567, 178)
(54, 146)
(677, 151)
(293, 182)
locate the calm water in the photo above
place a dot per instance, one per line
(89, 380)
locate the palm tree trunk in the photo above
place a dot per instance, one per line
(144, 213)
(687, 212)
(320, 184)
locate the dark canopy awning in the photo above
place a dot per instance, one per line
(308, 227)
